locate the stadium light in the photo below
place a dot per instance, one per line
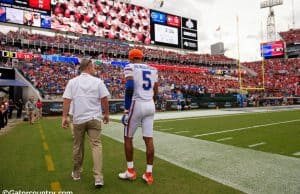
(271, 30)
(270, 3)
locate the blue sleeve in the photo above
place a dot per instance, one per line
(128, 93)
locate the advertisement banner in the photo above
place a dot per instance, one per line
(52, 108)
(20, 55)
(158, 17)
(28, 56)
(2, 14)
(189, 24)
(7, 1)
(45, 21)
(40, 4)
(189, 34)
(272, 49)
(189, 44)
(9, 54)
(173, 20)
(14, 15)
(293, 50)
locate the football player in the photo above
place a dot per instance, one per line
(140, 93)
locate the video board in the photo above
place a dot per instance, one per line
(109, 19)
(272, 49)
(174, 31)
(165, 29)
(26, 12)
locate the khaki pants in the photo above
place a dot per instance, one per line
(93, 130)
(39, 113)
(30, 115)
(70, 121)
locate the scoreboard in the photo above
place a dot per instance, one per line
(174, 31)
(104, 18)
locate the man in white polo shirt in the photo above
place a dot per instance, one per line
(89, 96)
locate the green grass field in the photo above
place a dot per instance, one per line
(23, 165)
(282, 138)
(23, 150)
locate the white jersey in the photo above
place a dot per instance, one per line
(144, 78)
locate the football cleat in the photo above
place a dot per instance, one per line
(99, 183)
(129, 174)
(147, 176)
(75, 178)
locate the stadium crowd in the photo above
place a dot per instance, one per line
(196, 73)
(50, 78)
(113, 47)
(291, 36)
(281, 78)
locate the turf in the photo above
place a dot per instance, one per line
(280, 139)
(23, 167)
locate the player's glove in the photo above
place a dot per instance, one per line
(125, 118)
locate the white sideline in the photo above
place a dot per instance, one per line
(244, 128)
(257, 144)
(178, 132)
(246, 170)
(195, 114)
(167, 129)
(296, 154)
(224, 139)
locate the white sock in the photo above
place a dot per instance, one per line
(149, 168)
(130, 164)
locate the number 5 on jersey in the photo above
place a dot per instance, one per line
(146, 80)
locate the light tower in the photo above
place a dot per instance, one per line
(271, 30)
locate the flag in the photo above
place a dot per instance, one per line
(219, 28)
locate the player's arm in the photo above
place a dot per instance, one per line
(129, 88)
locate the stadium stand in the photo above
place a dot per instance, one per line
(291, 36)
(192, 73)
(281, 76)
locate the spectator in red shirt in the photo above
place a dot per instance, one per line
(39, 106)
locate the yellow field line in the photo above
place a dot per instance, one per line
(55, 186)
(49, 162)
(43, 137)
(45, 145)
(42, 134)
